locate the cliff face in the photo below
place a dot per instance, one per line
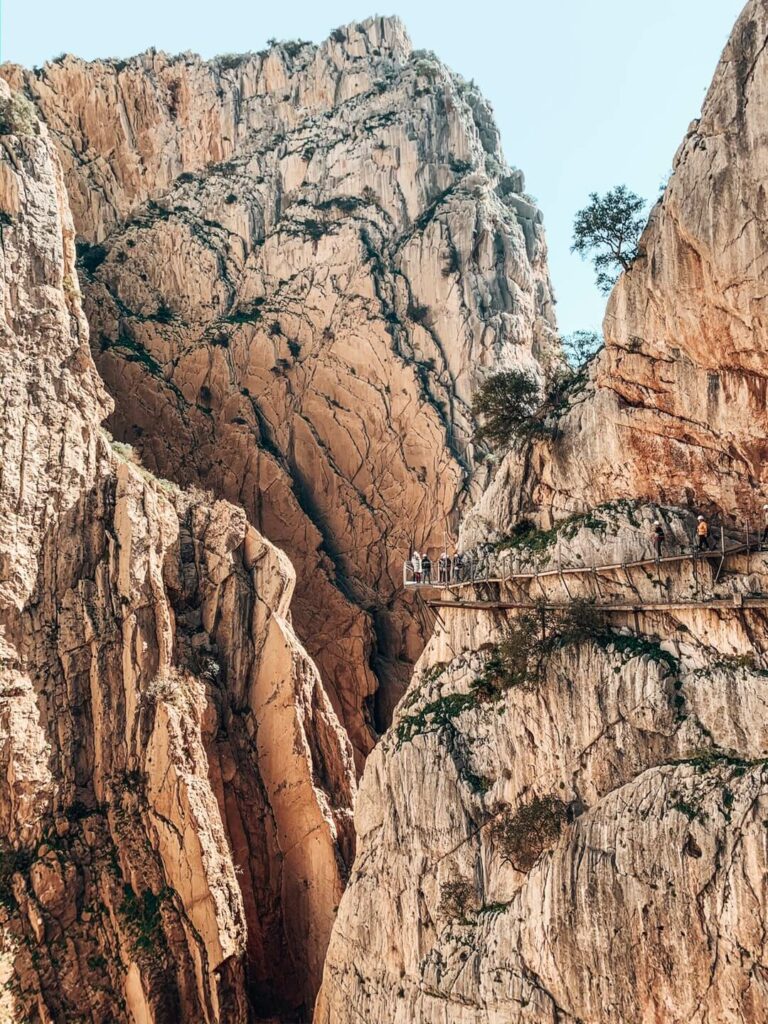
(675, 407)
(587, 847)
(176, 788)
(295, 265)
(585, 841)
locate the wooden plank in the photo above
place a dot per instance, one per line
(715, 605)
(574, 570)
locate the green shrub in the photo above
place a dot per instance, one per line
(527, 537)
(608, 232)
(164, 313)
(580, 621)
(508, 406)
(525, 835)
(17, 116)
(746, 662)
(458, 900)
(142, 914)
(433, 716)
(126, 452)
(581, 346)
(512, 661)
(292, 47)
(90, 257)
(230, 61)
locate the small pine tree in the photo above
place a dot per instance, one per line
(580, 346)
(608, 230)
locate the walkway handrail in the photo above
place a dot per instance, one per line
(468, 574)
(740, 601)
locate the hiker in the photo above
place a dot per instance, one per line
(416, 566)
(702, 533)
(442, 567)
(658, 538)
(426, 568)
(764, 537)
(458, 567)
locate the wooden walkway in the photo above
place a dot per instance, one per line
(696, 557)
(738, 601)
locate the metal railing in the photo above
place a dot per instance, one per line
(464, 570)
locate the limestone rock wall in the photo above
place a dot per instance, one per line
(674, 408)
(588, 844)
(296, 265)
(176, 789)
(648, 743)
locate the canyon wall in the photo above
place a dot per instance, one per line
(296, 265)
(674, 407)
(583, 838)
(177, 789)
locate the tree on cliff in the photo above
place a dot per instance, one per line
(608, 230)
(580, 346)
(512, 406)
(507, 404)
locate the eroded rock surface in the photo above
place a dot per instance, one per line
(674, 408)
(586, 842)
(296, 264)
(176, 797)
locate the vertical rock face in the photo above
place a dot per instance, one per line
(588, 844)
(176, 790)
(295, 265)
(674, 408)
(587, 847)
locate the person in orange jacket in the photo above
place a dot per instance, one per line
(702, 533)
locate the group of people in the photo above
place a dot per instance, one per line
(449, 570)
(702, 536)
(455, 569)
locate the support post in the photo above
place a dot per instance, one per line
(722, 556)
(595, 577)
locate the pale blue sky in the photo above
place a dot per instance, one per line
(587, 93)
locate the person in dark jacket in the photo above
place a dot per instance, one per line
(458, 567)
(426, 568)
(658, 538)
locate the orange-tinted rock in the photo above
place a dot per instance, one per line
(675, 406)
(145, 638)
(305, 259)
(586, 843)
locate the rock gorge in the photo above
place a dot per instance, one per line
(177, 788)
(294, 264)
(277, 279)
(588, 842)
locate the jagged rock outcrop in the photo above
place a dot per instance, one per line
(675, 407)
(296, 263)
(176, 788)
(585, 841)
(586, 844)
